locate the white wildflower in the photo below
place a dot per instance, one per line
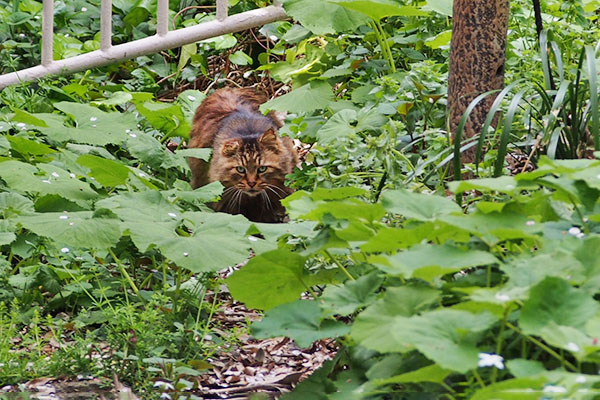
(252, 239)
(572, 347)
(46, 181)
(63, 217)
(580, 379)
(165, 395)
(574, 231)
(490, 360)
(55, 174)
(64, 250)
(142, 175)
(191, 98)
(72, 175)
(83, 9)
(93, 119)
(164, 385)
(21, 125)
(502, 297)
(530, 223)
(172, 215)
(133, 135)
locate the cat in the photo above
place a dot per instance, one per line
(249, 158)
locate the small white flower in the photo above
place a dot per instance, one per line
(574, 231)
(164, 385)
(530, 223)
(64, 250)
(72, 175)
(21, 125)
(172, 215)
(93, 119)
(192, 98)
(580, 236)
(490, 360)
(580, 379)
(502, 297)
(165, 395)
(142, 175)
(252, 239)
(21, 35)
(71, 223)
(133, 135)
(127, 130)
(55, 174)
(37, 17)
(554, 389)
(186, 254)
(46, 181)
(66, 35)
(93, 126)
(83, 9)
(63, 217)
(572, 347)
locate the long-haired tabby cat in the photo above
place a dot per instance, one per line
(249, 158)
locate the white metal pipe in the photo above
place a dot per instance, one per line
(222, 10)
(162, 17)
(47, 32)
(105, 24)
(148, 45)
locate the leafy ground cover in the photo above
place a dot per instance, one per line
(109, 258)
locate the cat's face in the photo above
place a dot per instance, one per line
(250, 167)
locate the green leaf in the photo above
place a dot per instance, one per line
(418, 206)
(116, 98)
(240, 58)
(310, 97)
(503, 184)
(7, 233)
(348, 122)
(553, 300)
(522, 368)
(447, 337)
(429, 262)
(167, 118)
(271, 279)
(431, 373)
(344, 300)
(46, 179)
(26, 147)
(323, 17)
(187, 51)
(93, 126)
(380, 9)
(106, 172)
(13, 204)
(440, 40)
(300, 321)
(443, 7)
(74, 229)
(372, 325)
(27, 118)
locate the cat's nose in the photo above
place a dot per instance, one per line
(251, 183)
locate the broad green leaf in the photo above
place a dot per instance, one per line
(93, 126)
(554, 300)
(240, 58)
(447, 337)
(443, 7)
(74, 229)
(322, 17)
(418, 206)
(373, 325)
(570, 339)
(300, 320)
(13, 204)
(344, 300)
(527, 271)
(106, 172)
(27, 118)
(431, 373)
(271, 279)
(348, 122)
(337, 193)
(440, 40)
(429, 262)
(46, 179)
(310, 97)
(201, 153)
(378, 9)
(187, 51)
(7, 232)
(27, 147)
(167, 118)
(522, 368)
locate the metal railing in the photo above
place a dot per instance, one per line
(162, 40)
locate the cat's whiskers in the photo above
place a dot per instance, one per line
(272, 189)
(267, 200)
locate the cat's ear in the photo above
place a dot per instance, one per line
(230, 147)
(269, 140)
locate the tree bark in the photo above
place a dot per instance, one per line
(477, 54)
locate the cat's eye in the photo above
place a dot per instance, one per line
(241, 170)
(262, 169)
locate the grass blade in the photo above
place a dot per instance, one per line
(502, 149)
(591, 64)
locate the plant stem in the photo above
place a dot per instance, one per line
(542, 346)
(125, 274)
(339, 265)
(478, 378)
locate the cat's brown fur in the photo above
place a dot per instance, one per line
(249, 158)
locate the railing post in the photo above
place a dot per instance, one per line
(47, 32)
(105, 25)
(222, 9)
(162, 18)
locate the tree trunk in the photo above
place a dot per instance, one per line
(477, 54)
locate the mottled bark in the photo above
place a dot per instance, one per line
(477, 55)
